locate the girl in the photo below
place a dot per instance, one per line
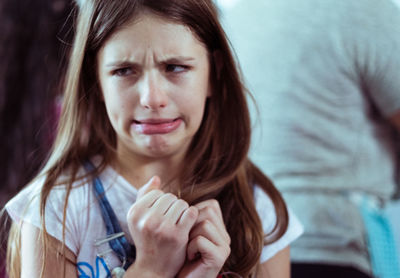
(149, 175)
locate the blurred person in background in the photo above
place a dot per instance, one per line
(326, 76)
(31, 63)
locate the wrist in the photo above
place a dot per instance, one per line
(134, 271)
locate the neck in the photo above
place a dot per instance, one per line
(139, 170)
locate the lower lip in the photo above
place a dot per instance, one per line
(157, 128)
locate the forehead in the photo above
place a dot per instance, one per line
(152, 32)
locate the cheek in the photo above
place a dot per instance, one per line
(115, 98)
(194, 108)
(115, 105)
(111, 103)
(196, 103)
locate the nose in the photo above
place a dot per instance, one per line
(152, 95)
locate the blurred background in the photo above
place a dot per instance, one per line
(325, 77)
(34, 37)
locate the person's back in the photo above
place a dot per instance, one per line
(325, 77)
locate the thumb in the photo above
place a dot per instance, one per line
(152, 184)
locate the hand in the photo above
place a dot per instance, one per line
(159, 224)
(209, 243)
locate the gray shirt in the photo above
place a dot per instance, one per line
(325, 76)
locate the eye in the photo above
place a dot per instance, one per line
(176, 68)
(123, 71)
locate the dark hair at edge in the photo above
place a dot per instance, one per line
(216, 164)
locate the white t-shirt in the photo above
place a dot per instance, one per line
(85, 226)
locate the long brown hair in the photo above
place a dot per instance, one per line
(216, 164)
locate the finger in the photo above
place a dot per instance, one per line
(163, 203)
(200, 245)
(188, 218)
(211, 232)
(211, 211)
(209, 214)
(148, 194)
(152, 184)
(218, 223)
(212, 205)
(209, 253)
(140, 207)
(176, 210)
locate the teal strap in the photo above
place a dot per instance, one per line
(381, 243)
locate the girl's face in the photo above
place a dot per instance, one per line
(154, 75)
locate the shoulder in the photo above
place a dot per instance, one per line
(64, 208)
(26, 200)
(266, 211)
(56, 194)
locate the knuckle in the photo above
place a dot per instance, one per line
(206, 224)
(220, 258)
(212, 208)
(158, 191)
(214, 204)
(228, 238)
(154, 193)
(163, 235)
(170, 196)
(167, 233)
(182, 203)
(148, 226)
(229, 241)
(165, 229)
(133, 215)
(198, 239)
(223, 255)
(209, 210)
(192, 213)
(228, 251)
(129, 215)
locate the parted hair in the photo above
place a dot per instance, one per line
(216, 164)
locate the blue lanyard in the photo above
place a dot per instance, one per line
(120, 245)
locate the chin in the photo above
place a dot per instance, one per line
(160, 155)
(159, 150)
(174, 151)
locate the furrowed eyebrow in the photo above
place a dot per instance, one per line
(172, 60)
(120, 64)
(177, 60)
